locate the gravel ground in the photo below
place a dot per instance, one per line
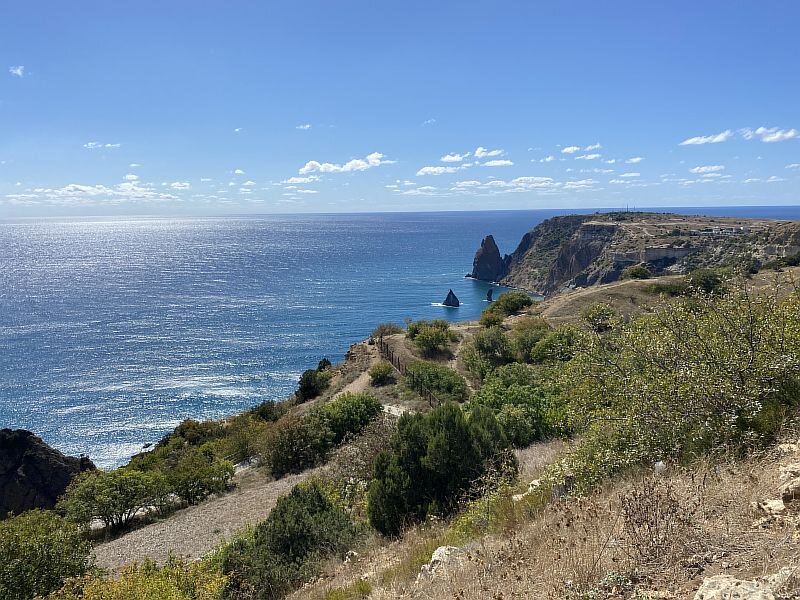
(195, 531)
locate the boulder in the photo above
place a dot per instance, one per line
(726, 587)
(32, 474)
(790, 482)
(488, 265)
(442, 558)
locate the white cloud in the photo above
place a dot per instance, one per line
(595, 146)
(547, 159)
(306, 192)
(580, 184)
(437, 170)
(75, 194)
(498, 163)
(588, 157)
(708, 139)
(134, 165)
(309, 179)
(630, 174)
(453, 157)
(131, 177)
(634, 160)
(304, 127)
(618, 181)
(707, 169)
(98, 145)
(375, 159)
(610, 161)
(180, 185)
(249, 183)
(237, 130)
(238, 172)
(793, 166)
(570, 150)
(467, 184)
(429, 122)
(205, 179)
(18, 71)
(770, 134)
(481, 152)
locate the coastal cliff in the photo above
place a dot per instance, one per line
(583, 250)
(32, 474)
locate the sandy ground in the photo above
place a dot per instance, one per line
(195, 531)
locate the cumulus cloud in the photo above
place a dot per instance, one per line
(238, 172)
(634, 160)
(769, 134)
(308, 179)
(570, 150)
(75, 194)
(304, 127)
(481, 152)
(375, 159)
(595, 146)
(708, 139)
(547, 159)
(180, 185)
(707, 169)
(18, 71)
(453, 157)
(249, 183)
(99, 145)
(793, 166)
(630, 174)
(429, 122)
(131, 177)
(498, 163)
(438, 170)
(588, 157)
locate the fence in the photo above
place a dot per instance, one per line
(387, 353)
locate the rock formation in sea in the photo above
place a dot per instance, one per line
(451, 300)
(32, 474)
(488, 265)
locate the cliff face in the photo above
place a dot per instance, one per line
(488, 265)
(32, 474)
(584, 250)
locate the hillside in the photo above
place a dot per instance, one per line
(583, 250)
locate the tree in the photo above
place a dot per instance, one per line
(198, 475)
(431, 340)
(114, 497)
(38, 551)
(312, 383)
(349, 414)
(381, 373)
(639, 271)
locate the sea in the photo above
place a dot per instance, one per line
(113, 330)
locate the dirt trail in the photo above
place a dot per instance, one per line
(195, 531)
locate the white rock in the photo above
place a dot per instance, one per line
(726, 587)
(790, 471)
(660, 467)
(442, 558)
(534, 485)
(773, 508)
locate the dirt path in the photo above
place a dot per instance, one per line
(194, 532)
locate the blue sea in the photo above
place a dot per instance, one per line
(114, 330)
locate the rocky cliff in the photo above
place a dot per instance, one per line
(32, 474)
(583, 250)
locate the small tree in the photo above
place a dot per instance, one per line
(38, 551)
(198, 475)
(114, 497)
(431, 340)
(381, 374)
(312, 383)
(639, 271)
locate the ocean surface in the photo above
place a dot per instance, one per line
(113, 331)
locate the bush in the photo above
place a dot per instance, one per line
(442, 381)
(431, 340)
(491, 318)
(198, 475)
(491, 343)
(312, 383)
(38, 551)
(386, 329)
(381, 374)
(175, 580)
(511, 303)
(599, 317)
(558, 345)
(639, 271)
(198, 433)
(287, 548)
(348, 414)
(269, 411)
(434, 459)
(709, 281)
(299, 445)
(416, 327)
(114, 497)
(524, 336)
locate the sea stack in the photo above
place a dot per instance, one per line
(451, 300)
(32, 474)
(488, 264)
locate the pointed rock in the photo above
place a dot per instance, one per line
(488, 264)
(451, 300)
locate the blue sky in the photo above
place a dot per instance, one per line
(210, 107)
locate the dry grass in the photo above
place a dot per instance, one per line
(642, 534)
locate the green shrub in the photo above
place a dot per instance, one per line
(493, 345)
(269, 411)
(524, 336)
(38, 551)
(511, 303)
(114, 497)
(558, 345)
(491, 318)
(381, 373)
(358, 590)
(198, 475)
(433, 461)
(175, 580)
(709, 281)
(287, 548)
(300, 444)
(442, 381)
(312, 383)
(385, 329)
(600, 317)
(416, 327)
(348, 414)
(431, 340)
(198, 433)
(640, 271)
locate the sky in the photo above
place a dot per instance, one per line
(211, 107)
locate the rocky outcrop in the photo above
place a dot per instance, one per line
(451, 300)
(32, 474)
(727, 587)
(488, 265)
